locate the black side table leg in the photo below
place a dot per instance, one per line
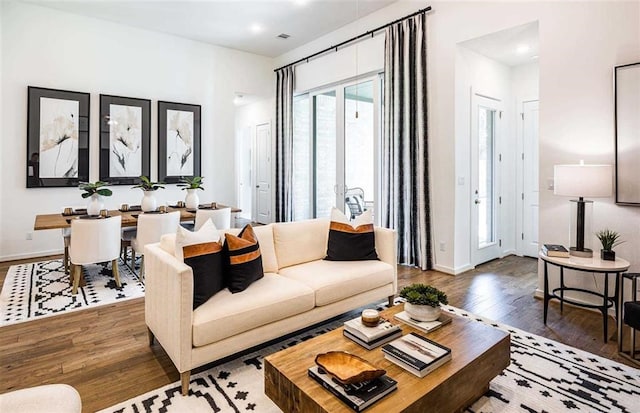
(546, 291)
(561, 290)
(605, 305)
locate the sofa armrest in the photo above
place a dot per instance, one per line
(387, 249)
(168, 304)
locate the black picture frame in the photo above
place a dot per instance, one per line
(57, 137)
(170, 161)
(125, 139)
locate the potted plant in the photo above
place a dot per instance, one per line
(191, 185)
(423, 301)
(608, 239)
(148, 202)
(95, 191)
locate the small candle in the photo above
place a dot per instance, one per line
(370, 317)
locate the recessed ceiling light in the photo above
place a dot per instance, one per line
(523, 48)
(238, 99)
(283, 36)
(256, 28)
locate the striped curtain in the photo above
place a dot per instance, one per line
(284, 144)
(405, 168)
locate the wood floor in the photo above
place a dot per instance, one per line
(104, 353)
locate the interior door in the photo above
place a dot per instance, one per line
(485, 197)
(263, 173)
(530, 193)
(244, 171)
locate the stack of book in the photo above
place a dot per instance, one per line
(357, 396)
(371, 337)
(555, 250)
(416, 354)
(425, 326)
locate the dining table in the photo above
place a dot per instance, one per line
(129, 218)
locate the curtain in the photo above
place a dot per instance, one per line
(284, 144)
(405, 184)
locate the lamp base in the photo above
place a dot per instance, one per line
(583, 253)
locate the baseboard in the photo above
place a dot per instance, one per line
(453, 271)
(30, 255)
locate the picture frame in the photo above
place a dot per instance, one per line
(179, 134)
(125, 139)
(57, 137)
(627, 133)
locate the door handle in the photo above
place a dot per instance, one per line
(258, 186)
(477, 201)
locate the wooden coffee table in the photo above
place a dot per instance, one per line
(479, 353)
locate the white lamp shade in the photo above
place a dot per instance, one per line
(583, 180)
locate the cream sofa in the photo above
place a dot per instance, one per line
(298, 289)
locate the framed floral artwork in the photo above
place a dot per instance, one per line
(57, 137)
(125, 137)
(178, 141)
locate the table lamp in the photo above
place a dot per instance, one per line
(582, 181)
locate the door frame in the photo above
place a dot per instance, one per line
(494, 249)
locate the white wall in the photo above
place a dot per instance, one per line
(580, 43)
(48, 48)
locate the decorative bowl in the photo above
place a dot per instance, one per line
(348, 368)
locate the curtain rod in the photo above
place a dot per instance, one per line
(353, 39)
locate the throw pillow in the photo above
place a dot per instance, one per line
(207, 263)
(207, 233)
(349, 242)
(244, 261)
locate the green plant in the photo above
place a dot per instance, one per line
(421, 294)
(97, 187)
(191, 183)
(608, 239)
(146, 185)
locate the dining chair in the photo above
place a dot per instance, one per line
(94, 241)
(149, 229)
(66, 238)
(221, 218)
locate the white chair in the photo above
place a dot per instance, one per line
(221, 218)
(66, 238)
(149, 230)
(93, 241)
(49, 398)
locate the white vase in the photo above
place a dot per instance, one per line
(191, 201)
(95, 205)
(422, 312)
(148, 203)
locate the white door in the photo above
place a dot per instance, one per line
(530, 184)
(263, 173)
(486, 123)
(244, 171)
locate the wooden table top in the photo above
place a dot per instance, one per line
(479, 353)
(57, 221)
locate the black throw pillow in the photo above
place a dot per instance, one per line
(207, 263)
(243, 260)
(347, 243)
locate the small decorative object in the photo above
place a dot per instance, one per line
(180, 204)
(370, 317)
(95, 191)
(608, 239)
(348, 368)
(124, 207)
(191, 184)
(104, 213)
(68, 211)
(149, 188)
(423, 301)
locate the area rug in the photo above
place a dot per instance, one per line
(42, 289)
(544, 376)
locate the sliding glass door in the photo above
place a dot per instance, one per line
(336, 134)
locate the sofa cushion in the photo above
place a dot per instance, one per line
(207, 264)
(269, 299)
(336, 280)
(351, 241)
(244, 262)
(300, 241)
(264, 233)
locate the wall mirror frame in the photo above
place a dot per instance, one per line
(627, 137)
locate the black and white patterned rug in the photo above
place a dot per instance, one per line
(544, 376)
(42, 289)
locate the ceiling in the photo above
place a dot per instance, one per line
(503, 45)
(229, 22)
